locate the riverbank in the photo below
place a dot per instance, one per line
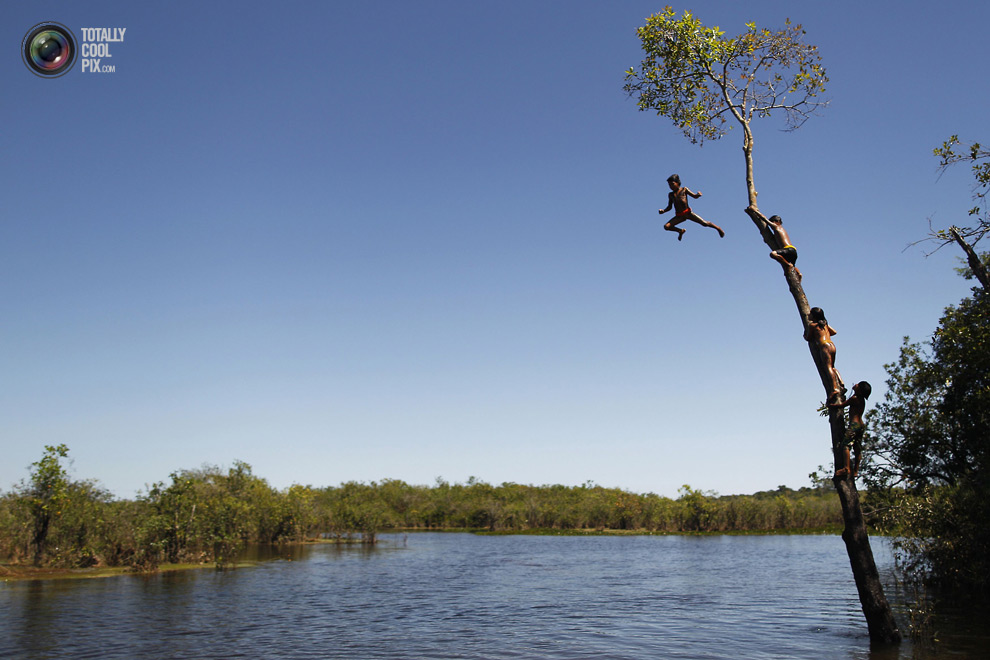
(832, 530)
(206, 513)
(17, 572)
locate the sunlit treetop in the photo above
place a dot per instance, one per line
(979, 158)
(699, 78)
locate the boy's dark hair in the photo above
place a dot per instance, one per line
(865, 389)
(816, 314)
(775, 219)
(673, 177)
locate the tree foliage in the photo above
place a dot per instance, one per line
(953, 151)
(698, 77)
(208, 514)
(932, 427)
(967, 236)
(46, 495)
(930, 451)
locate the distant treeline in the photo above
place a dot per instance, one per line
(207, 514)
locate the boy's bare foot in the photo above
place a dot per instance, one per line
(680, 233)
(842, 472)
(721, 234)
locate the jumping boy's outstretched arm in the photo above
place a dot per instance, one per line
(696, 195)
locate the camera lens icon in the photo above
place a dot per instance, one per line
(49, 50)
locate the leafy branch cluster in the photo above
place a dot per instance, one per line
(698, 78)
(979, 157)
(967, 237)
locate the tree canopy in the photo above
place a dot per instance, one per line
(698, 77)
(46, 494)
(932, 426)
(931, 440)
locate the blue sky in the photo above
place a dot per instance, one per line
(355, 241)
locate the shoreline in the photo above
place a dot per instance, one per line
(23, 572)
(20, 573)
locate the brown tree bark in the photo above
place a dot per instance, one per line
(879, 618)
(973, 259)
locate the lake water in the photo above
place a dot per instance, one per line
(432, 595)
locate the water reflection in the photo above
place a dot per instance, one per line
(465, 596)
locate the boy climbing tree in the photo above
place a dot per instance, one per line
(785, 254)
(701, 80)
(854, 432)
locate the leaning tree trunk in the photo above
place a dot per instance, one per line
(879, 618)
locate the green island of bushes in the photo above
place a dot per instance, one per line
(51, 524)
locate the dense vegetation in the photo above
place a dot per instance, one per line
(929, 465)
(930, 459)
(205, 515)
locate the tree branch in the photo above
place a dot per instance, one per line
(973, 259)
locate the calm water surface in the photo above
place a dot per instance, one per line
(466, 596)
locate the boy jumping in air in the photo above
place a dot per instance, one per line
(678, 200)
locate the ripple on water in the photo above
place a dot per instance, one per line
(465, 596)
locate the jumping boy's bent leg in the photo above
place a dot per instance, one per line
(672, 226)
(680, 232)
(704, 223)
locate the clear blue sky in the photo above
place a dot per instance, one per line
(365, 240)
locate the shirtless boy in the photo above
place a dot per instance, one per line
(785, 254)
(856, 428)
(819, 338)
(678, 200)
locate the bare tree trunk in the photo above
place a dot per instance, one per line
(41, 524)
(748, 153)
(879, 618)
(973, 259)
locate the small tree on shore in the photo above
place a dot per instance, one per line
(45, 495)
(701, 80)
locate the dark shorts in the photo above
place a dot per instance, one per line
(788, 253)
(854, 434)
